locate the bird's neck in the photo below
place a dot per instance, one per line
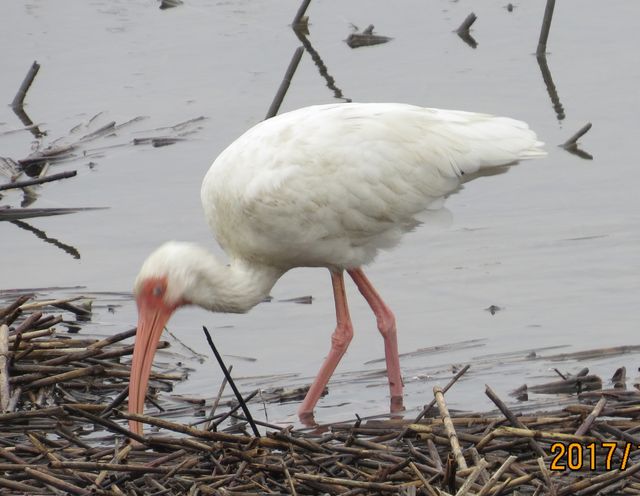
(234, 288)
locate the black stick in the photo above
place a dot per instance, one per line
(444, 390)
(226, 373)
(39, 180)
(298, 18)
(18, 101)
(573, 141)
(546, 26)
(284, 85)
(466, 24)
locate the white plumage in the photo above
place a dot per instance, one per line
(329, 185)
(322, 186)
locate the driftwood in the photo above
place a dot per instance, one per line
(366, 38)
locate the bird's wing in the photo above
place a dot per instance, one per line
(358, 173)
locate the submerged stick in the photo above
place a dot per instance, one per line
(226, 373)
(546, 26)
(284, 85)
(18, 100)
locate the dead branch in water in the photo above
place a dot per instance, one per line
(286, 82)
(18, 100)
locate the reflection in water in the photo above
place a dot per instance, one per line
(467, 38)
(43, 236)
(28, 123)
(571, 145)
(551, 88)
(322, 68)
(463, 31)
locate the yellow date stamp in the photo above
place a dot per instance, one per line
(593, 456)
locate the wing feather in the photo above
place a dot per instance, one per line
(331, 184)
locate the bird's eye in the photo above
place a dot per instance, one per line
(157, 291)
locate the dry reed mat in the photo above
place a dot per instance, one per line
(63, 430)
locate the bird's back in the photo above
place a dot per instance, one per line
(329, 185)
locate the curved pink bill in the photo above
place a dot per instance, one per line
(151, 321)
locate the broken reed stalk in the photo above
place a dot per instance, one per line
(5, 392)
(209, 420)
(597, 410)
(18, 100)
(298, 20)
(496, 476)
(226, 373)
(513, 420)
(284, 85)
(464, 489)
(546, 26)
(449, 428)
(466, 24)
(14, 306)
(551, 490)
(431, 404)
(40, 180)
(573, 141)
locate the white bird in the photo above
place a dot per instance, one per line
(322, 186)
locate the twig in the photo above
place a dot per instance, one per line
(464, 489)
(55, 482)
(496, 476)
(546, 26)
(5, 392)
(226, 373)
(299, 21)
(424, 481)
(15, 305)
(284, 85)
(466, 24)
(448, 427)
(18, 101)
(463, 31)
(551, 490)
(597, 410)
(453, 380)
(573, 141)
(214, 407)
(292, 486)
(512, 419)
(39, 180)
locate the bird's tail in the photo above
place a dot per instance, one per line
(534, 151)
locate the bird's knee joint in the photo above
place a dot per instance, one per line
(342, 337)
(387, 324)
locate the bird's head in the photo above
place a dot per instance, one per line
(164, 283)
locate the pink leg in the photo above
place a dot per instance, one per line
(387, 327)
(339, 342)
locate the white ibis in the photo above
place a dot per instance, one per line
(322, 186)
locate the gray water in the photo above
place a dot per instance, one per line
(554, 242)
